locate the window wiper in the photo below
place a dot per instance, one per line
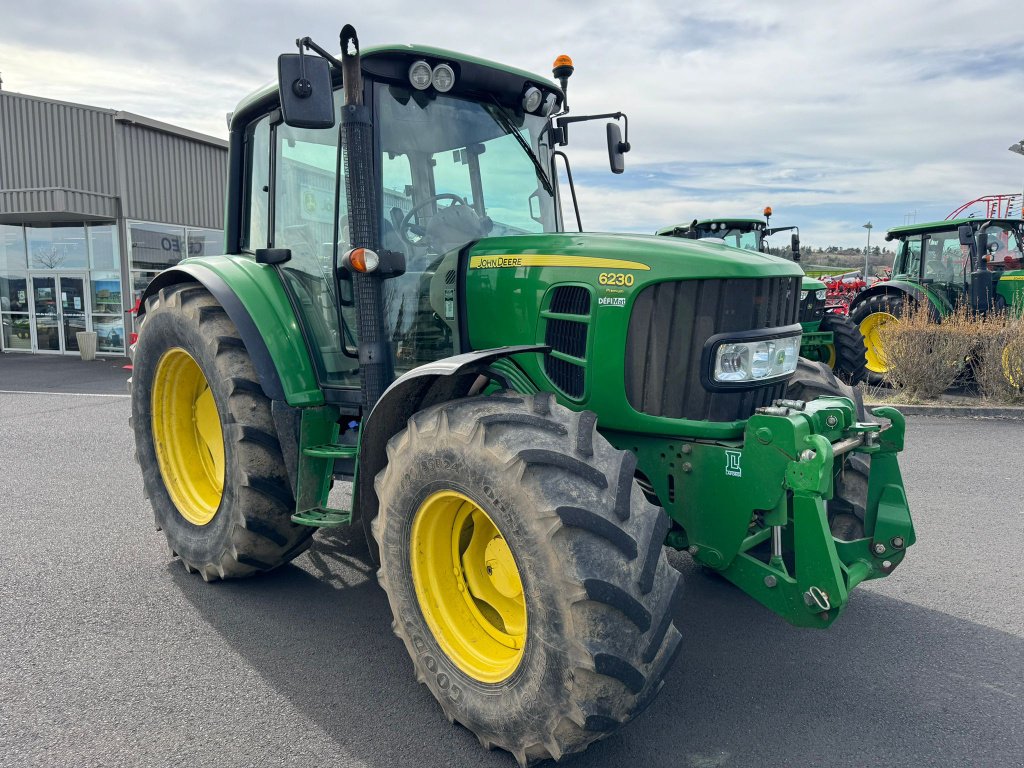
(499, 115)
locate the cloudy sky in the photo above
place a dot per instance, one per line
(832, 113)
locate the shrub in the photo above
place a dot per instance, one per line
(998, 360)
(926, 357)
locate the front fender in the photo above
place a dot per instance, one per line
(255, 300)
(440, 381)
(915, 291)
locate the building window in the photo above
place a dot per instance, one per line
(104, 251)
(57, 248)
(64, 275)
(12, 248)
(156, 246)
(205, 242)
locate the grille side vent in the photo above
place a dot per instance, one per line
(568, 337)
(570, 300)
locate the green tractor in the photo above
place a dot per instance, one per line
(527, 415)
(828, 337)
(977, 262)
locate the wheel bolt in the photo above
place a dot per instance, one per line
(879, 548)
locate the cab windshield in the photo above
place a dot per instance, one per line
(749, 240)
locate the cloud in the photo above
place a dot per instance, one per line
(814, 108)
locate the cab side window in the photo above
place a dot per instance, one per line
(256, 224)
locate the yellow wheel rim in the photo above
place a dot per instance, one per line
(830, 355)
(468, 586)
(874, 347)
(187, 436)
(1013, 369)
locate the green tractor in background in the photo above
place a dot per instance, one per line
(527, 415)
(829, 338)
(977, 262)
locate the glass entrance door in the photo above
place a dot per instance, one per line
(60, 311)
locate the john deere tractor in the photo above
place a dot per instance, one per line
(829, 338)
(977, 262)
(527, 415)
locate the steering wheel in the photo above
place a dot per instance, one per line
(406, 223)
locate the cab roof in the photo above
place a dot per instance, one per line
(936, 226)
(704, 222)
(259, 99)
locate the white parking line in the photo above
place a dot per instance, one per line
(62, 394)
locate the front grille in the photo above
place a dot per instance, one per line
(811, 308)
(667, 331)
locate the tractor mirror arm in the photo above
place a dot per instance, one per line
(561, 130)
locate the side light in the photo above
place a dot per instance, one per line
(532, 99)
(550, 105)
(361, 260)
(420, 75)
(443, 78)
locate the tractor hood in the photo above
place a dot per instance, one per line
(649, 257)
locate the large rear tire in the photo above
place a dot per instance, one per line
(205, 439)
(849, 355)
(870, 316)
(846, 508)
(526, 572)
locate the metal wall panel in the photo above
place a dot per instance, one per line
(55, 205)
(171, 178)
(53, 144)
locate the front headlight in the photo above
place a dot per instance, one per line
(803, 295)
(750, 359)
(820, 295)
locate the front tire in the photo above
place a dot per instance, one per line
(561, 631)
(848, 354)
(870, 316)
(205, 439)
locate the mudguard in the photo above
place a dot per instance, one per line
(440, 381)
(916, 291)
(254, 299)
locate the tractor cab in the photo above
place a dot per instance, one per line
(962, 260)
(451, 167)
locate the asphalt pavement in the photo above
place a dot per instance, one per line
(110, 654)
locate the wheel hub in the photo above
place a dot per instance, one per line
(468, 586)
(187, 436)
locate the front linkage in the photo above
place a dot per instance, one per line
(774, 539)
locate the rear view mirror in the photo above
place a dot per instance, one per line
(966, 234)
(795, 244)
(616, 148)
(307, 98)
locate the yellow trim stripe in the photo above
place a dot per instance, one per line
(1011, 277)
(511, 261)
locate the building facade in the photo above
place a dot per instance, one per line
(93, 203)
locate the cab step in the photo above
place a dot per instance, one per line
(322, 517)
(331, 451)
